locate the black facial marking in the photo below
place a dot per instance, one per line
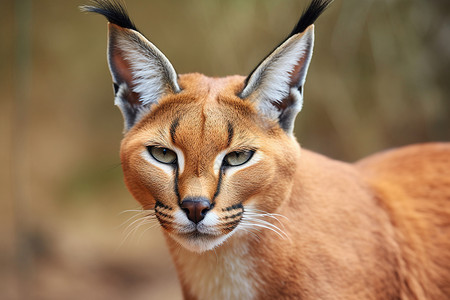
(173, 127)
(231, 225)
(177, 193)
(233, 207)
(116, 88)
(230, 133)
(163, 218)
(234, 216)
(164, 224)
(159, 204)
(161, 214)
(219, 183)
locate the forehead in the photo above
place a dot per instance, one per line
(206, 111)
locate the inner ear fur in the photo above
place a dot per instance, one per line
(140, 70)
(276, 85)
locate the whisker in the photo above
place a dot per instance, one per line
(248, 230)
(140, 217)
(259, 218)
(267, 213)
(272, 226)
(282, 235)
(131, 210)
(264, 222)
(262, 212)
(136, 224)
(131, 218)
(255, 218)
(132, 231)
(138, 213)
(147, 229)
(132, 224)
(258, 213)
(273, 216)
(135, 228)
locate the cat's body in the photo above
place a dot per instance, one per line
(246, 213)
(382, 238)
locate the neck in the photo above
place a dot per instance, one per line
(223, 273)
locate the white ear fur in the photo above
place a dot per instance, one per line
(275, 86)
(140, 70)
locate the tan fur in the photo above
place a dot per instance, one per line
(378, 229)
(283, 222)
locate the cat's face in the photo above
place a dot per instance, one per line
(207, 163)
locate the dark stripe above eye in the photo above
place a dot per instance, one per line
(230, 134)
(173, 127)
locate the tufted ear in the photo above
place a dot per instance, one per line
(141, 73)
(276, 85)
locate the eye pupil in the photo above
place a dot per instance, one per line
(237, 158)
(162, 155)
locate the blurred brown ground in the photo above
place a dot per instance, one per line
(379, 79)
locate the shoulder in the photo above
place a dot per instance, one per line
(414, 160)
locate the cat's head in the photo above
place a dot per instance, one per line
(210, 156)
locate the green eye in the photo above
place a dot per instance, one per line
(238, 158)
(163, 155)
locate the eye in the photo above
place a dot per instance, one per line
(238, 158)
(163, 155)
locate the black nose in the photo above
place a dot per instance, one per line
(196, 208)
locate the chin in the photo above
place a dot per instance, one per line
(199, 242)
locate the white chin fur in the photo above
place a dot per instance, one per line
(208, 236)
(201, 243)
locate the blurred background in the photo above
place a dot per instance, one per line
(379, 79)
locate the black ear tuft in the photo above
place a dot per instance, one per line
(314, 10)
(113, 10)
(309, 16)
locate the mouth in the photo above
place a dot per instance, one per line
(207, 234)
(203, 236)
(198, 235)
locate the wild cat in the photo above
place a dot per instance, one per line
(247, 213)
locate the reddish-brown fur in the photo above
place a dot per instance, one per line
(377, 229)
(283, 223)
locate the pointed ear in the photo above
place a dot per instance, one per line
(275, 86)
(141, 73)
